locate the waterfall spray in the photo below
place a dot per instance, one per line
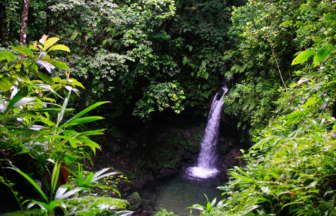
(207, 158)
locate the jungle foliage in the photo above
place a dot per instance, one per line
(38, 142)
(290, 169)
(153, 55)
(143, 56)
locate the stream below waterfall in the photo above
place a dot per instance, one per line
(178, 193)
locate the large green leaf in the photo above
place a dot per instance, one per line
(61, 114)
(51, 110)
(30, 180)
(58, 64)
(83, 112)
(56, 203)
(303, 56)
(54, 176)
(59, 47)
(23, 50)
(94, 132)
(322, 54)
(46, 78)
(85, 120)
(6, 83)
(8, 55)
(88, 179)
(50, 42)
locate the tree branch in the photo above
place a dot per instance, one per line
(278, 66)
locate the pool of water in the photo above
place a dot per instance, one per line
(178, 193)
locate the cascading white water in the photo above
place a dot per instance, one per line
(207, 158)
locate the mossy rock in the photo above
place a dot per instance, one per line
(134, 200)
(31, 212)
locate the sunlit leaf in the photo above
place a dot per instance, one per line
(59, 64)
(50, 42)
(23, 50)
(303, 56)
(46, 78)
(59, 47)
(83, 112)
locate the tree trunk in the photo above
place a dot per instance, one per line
(3, 21)
(23, 37)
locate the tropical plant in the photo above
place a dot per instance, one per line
(211, 208)
(30, 127)
(24, 103)
(92, 179)
(69, 199)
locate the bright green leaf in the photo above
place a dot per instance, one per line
(6, 83)
(59, 47)
(50, 42)
(46, 78)
(303, 56)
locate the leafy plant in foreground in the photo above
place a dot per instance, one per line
(32, 124)
(69, 199)
(211, 208)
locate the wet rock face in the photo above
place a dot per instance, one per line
(166, 173)
(134, 200)
(233, 159)
(187, 155)
(223, 149)
(194, 149)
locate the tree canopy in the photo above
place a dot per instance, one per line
(163, 56)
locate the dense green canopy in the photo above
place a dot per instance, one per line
(152, 56)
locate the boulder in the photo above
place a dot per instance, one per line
(134, 200)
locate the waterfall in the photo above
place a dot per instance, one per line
(207, 158)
